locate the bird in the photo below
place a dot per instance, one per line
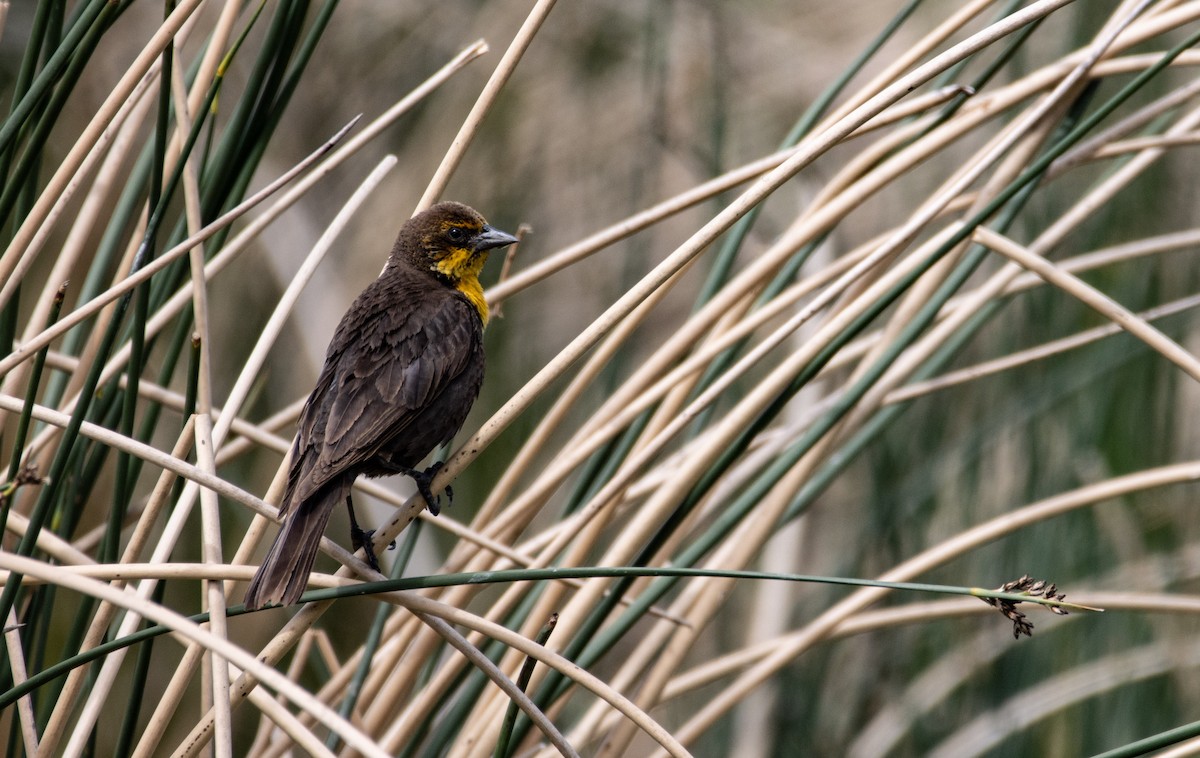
(402, 371)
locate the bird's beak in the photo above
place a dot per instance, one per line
(491, 238)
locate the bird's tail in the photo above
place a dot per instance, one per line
(283, 575)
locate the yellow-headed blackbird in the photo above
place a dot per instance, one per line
(400, 375)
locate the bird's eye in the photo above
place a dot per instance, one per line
(456, 234)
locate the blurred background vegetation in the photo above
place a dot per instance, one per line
(615, 107)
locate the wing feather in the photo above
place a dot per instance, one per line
(388, 361)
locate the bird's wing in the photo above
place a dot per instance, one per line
(384, 370)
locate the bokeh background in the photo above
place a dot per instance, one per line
(615, 107)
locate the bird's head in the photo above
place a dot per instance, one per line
(453, 241)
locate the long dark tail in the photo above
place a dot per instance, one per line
(283, 575)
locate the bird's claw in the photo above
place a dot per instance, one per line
(361, 538)
(423, 480)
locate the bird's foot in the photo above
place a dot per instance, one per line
(423, 480)
(361, 538)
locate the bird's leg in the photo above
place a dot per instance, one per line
(423, 481)
(360, 538)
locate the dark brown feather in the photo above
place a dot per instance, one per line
(403, 368)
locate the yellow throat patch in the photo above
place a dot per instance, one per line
(461, 266)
